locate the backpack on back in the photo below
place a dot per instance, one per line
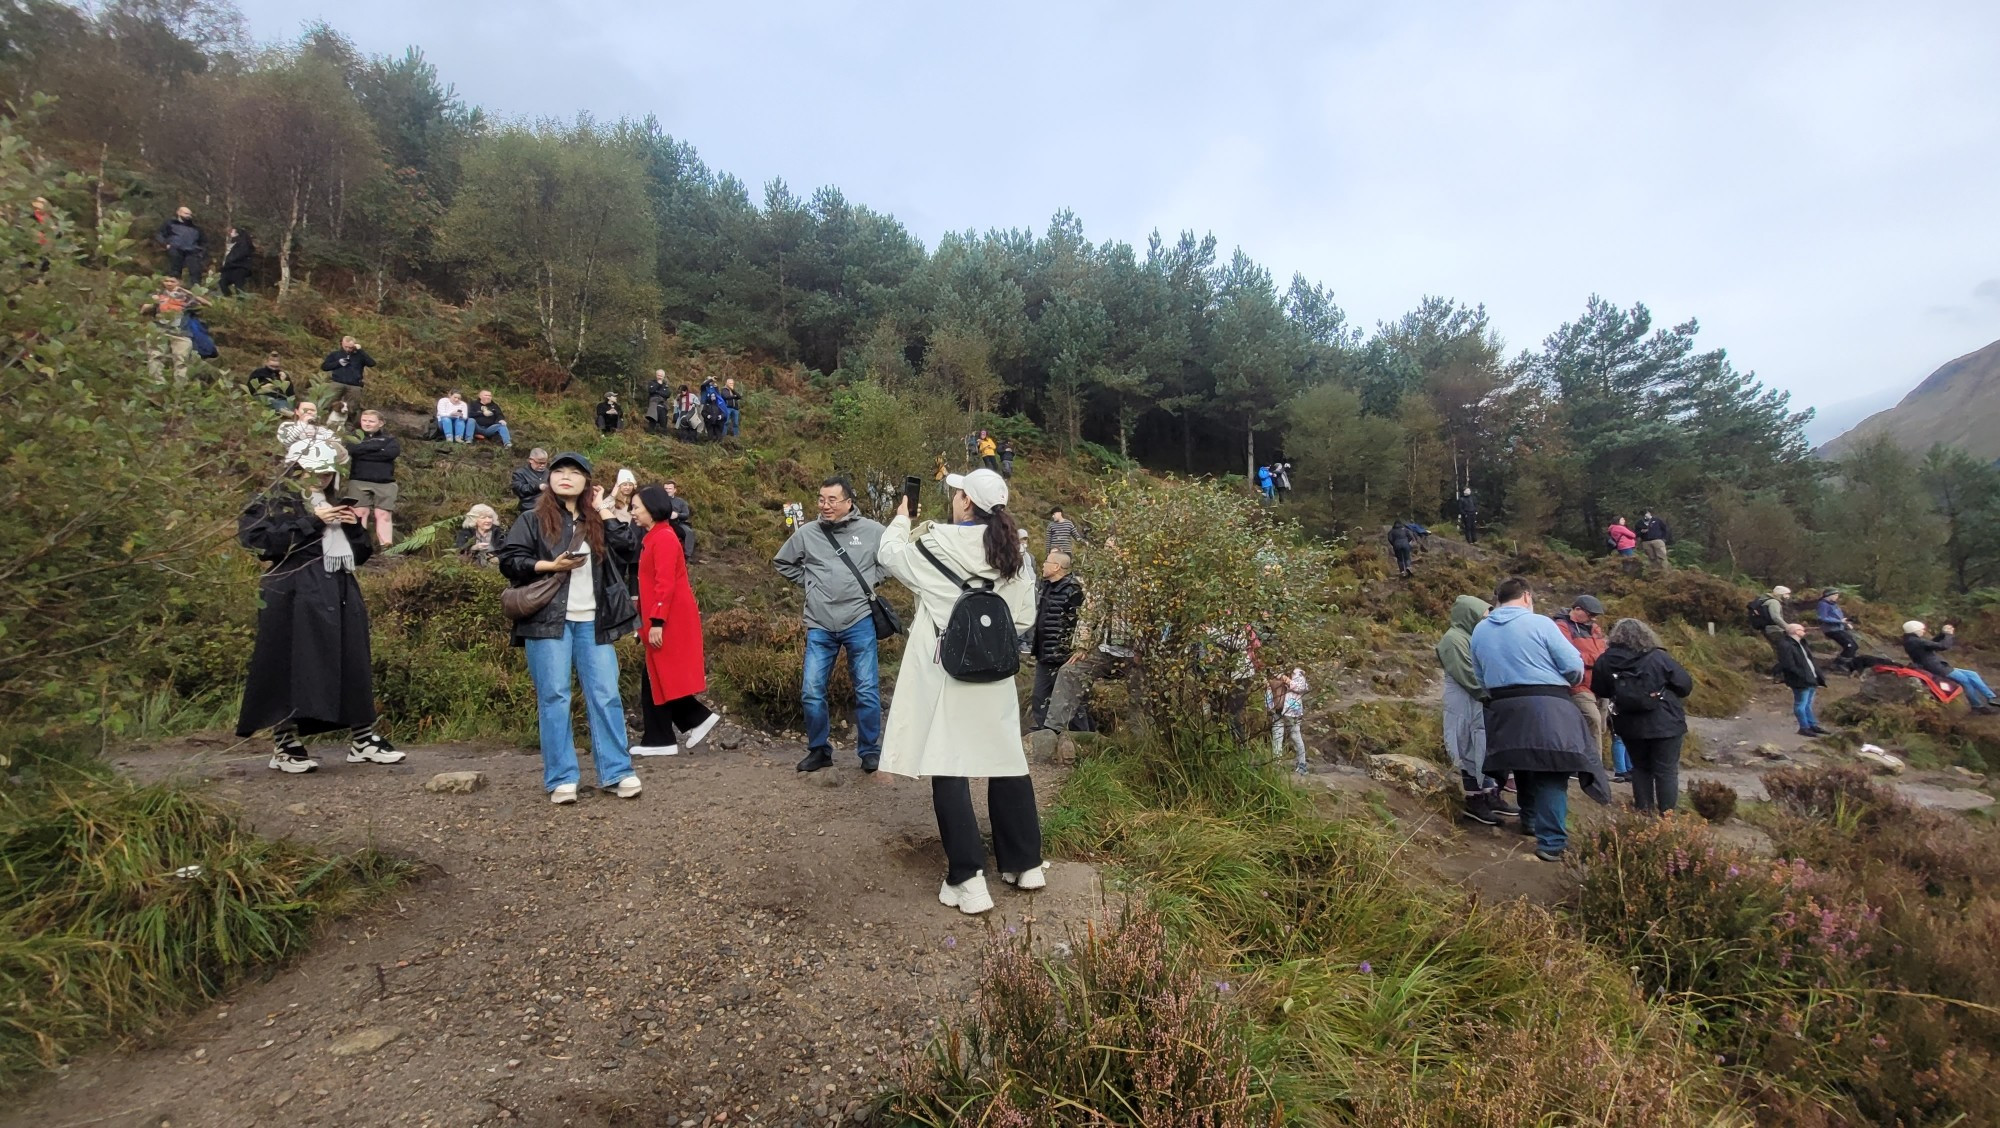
(1760, 617)
(977, 642)
(1637, 690)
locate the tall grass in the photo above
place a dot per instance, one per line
(121, 905)
(1372, 995)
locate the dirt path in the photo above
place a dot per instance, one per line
(741, 945)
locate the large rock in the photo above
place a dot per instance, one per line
(1882, 763)
(455, 783)
(1892, 689)
(1411, 773)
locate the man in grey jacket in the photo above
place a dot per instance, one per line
(837, 617)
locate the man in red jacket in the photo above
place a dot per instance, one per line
(1579, 626)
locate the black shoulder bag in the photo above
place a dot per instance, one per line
(884, 616)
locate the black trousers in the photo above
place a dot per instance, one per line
(186, 265)
(1402, 558)
(1656, 772)
(662, 725)
(1470, 524)
(1017, 826)
(234, 278)
(1045, 684)
(1849, 646)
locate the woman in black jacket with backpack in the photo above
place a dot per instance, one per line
(1646, 688)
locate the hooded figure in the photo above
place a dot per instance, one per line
(1464, 716)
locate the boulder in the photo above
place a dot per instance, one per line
(1883, 763)
(455, 783)
(1890, 689)
(1411, 773)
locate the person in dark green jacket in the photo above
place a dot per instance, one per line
(1465, 716)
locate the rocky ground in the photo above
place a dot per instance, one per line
(740, 945)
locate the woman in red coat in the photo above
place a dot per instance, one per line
(670, 635)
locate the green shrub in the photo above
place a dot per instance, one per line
(1712, 799)
(120, 905)
(1123, 1031)
(1371, 728)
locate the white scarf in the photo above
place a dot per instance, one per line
(333, 545)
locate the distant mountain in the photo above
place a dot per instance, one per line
(1958, 404)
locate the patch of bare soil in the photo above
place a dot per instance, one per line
(740, 945)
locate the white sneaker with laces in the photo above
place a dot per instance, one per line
(700, 732)
(628, 788)
(656, 750)
(564, 793)
(293, 764)
(372, 749)
(1033, 879)
(969, 896)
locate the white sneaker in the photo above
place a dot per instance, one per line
(564, 793)
(628, 788)
(969, 896)
(294, 764)
(656, 750)
(372, 749)
(1036, 878)
(700, 732)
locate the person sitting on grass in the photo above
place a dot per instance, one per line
(479, 536)
(489, 421)
(609, 418)
(454, 418)
(1924, 652)
(270, 383)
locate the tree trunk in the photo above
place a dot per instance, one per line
(1250, 452)
(285, 246)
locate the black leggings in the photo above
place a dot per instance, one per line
(662, 723)
(1656, 772)
(1017, 826)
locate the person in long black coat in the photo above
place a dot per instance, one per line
(236, 259)
(310, 670)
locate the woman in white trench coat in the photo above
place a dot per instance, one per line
(951, 730)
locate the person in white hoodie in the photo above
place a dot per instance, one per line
(454, 418)
(951, 730)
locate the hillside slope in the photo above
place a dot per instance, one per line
(1958, 404)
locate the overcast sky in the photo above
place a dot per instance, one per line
(1816, 183)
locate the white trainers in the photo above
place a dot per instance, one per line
(700, 732)
(293, 764)
(969, 896)
(564, 793)
(656, 750)
(628, 788)
(372, 749)
(1033, 879)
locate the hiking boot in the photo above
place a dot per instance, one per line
(814, 761)
(1030, 880)
(628, 788)
(1818, 731)
(656, 750)
(563, 793)
(700, 732)
(871, 763)
(1479, 808)
(1548, 855)
(1504, 808)
(368, 748)
(1807, 732)
(969, 896)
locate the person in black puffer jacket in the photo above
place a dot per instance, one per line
(573, 635)
(1647, 689)
(1054, 634)
(372, 475)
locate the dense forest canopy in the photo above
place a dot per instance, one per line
(606, 241)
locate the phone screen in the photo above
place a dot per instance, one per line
(913, 486)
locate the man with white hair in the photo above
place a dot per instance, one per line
(1768, 615)
(1924, 652)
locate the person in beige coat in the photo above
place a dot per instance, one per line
(952, 730)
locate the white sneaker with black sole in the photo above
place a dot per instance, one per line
(969, 896)
(369, 748)
(700, 732)
(656, 750)
(563, 793)
(1030, 880)
(288, 754)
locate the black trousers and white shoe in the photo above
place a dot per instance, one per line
(1017, 825)
(681, 723)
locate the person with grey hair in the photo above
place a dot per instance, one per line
(1647, 690)
(529, 481)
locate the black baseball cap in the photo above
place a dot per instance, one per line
(573, 458)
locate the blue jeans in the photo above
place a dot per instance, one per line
(1620, 762)
(1802, 700)
(1544, 800)
(500, 429)
(822, 647)
(732, 421)
(550, 661)
(1975, 686)
(455, 428)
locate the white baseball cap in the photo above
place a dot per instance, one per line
(986, 488)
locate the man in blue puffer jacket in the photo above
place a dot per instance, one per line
(1532, 730)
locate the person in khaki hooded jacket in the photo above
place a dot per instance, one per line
(948, 729)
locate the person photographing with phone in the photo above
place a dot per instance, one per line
(311, 670)
(570, 606)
